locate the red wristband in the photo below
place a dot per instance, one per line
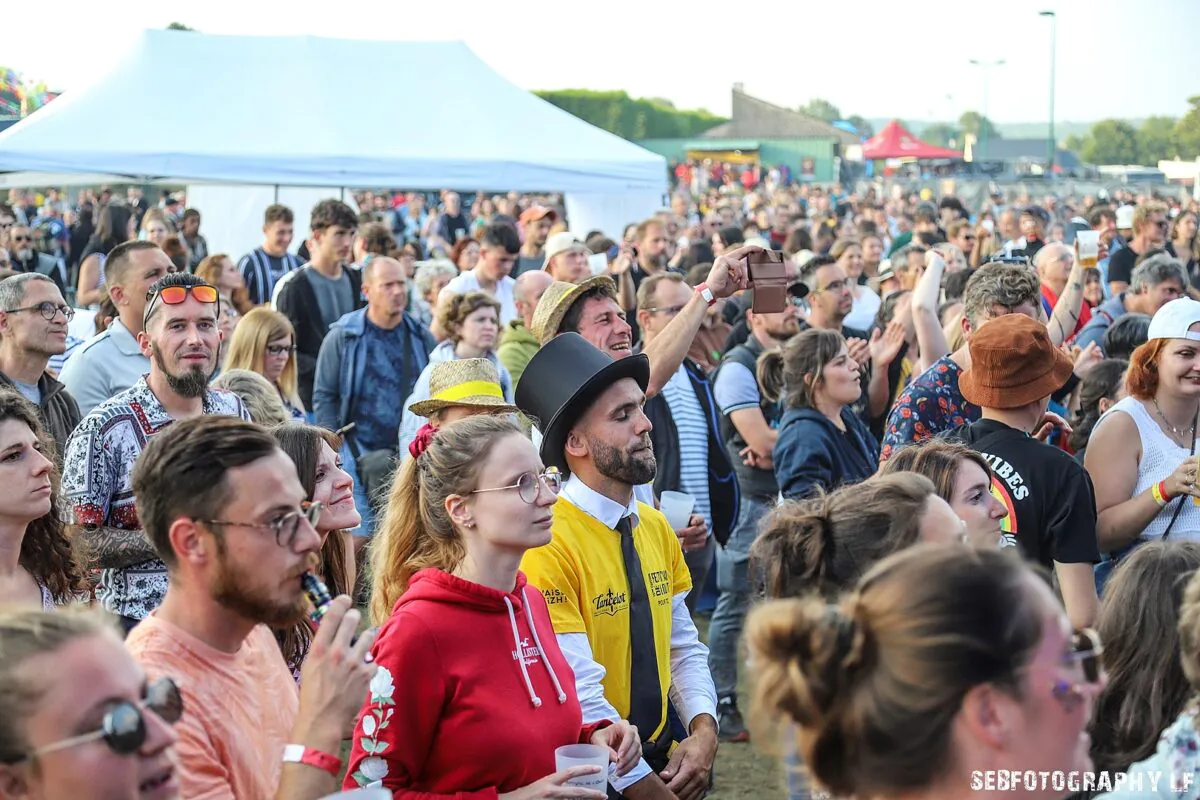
(299, 754)
(707, 294)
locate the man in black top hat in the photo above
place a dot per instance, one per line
(614, 575)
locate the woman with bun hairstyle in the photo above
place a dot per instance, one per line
(473, 694)
(825, 544)
(961, 477)
(821, 444)
(943, 664)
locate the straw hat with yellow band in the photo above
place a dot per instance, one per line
(557, 301)
(464, 383)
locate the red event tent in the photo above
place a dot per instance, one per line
(894, 141)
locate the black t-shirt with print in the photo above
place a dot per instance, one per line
(1049, 496)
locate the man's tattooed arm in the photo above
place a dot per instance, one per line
(115, 548)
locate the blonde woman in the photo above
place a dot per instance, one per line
(222, 272)
(265, 342)
(156, 227)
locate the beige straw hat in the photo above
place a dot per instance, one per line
(466, 382)
(558, 299)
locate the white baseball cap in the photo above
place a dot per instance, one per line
(561, 242)
(1124, 217)
(1175, 319)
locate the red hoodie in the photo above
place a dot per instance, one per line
(453, 712)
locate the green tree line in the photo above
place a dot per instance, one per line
(1116, 141)
(632, 118)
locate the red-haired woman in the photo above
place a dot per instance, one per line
(1142, 452)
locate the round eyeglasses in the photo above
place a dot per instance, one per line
(529, 485)
(285, 526)
(48, 311)
(123, 728)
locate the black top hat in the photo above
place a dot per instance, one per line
(561, 382)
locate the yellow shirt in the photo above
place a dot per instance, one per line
(582, 575)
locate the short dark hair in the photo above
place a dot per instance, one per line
(808, 270)
(117, 263)
(1126, 334)
(500, 234)
(182, 472)
(332, 213)
(731, 236)
(955, 284)
(277, 212)
(1100, 213)
(174, 279)
(570, 320)
(191, 213)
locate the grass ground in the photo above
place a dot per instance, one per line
(743, 771)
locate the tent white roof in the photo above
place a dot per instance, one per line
(310, 111)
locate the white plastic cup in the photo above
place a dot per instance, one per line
(1088, 244)
(677, 508)
(584, 755)
(374, 793)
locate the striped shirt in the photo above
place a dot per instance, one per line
(261, 271)
(692, 430)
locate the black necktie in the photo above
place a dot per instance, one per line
(645, 691)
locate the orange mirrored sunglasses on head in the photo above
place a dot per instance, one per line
(174, 295)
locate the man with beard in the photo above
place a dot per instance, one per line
(226, 511)
(181, 339)
(25, 258)
(33, 327)
(614, 575)
(112, 361)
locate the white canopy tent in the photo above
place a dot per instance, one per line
(328, 114)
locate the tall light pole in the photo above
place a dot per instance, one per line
(1052, 148)
(986, 123)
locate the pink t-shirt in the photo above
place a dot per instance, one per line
(238, 709)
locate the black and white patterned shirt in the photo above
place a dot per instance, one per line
(98, 482)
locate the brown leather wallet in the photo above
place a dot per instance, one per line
(767, 271)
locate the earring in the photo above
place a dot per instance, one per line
(470, 523)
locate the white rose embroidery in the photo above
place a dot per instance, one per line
(381, 684)
(373, 768)
(368, 724)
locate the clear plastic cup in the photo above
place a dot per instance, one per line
(677, 508)
(1087, 248)
(584, 755)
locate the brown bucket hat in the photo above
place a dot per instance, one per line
(1013, 364)
(558, 299)
(466, 382)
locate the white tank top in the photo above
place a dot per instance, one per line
(1160, 457)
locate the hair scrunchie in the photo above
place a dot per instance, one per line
(420, 442)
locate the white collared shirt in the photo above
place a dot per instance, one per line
(692, 691)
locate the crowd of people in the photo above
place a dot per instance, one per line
(939, 466)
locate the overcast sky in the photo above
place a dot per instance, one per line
(866, 56)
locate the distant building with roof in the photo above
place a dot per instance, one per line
(764, 133)
(1020, 156)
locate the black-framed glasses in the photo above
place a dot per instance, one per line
(285, 526)
(529, 485)
(280, 349)
(47, 309)
(123, 728)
